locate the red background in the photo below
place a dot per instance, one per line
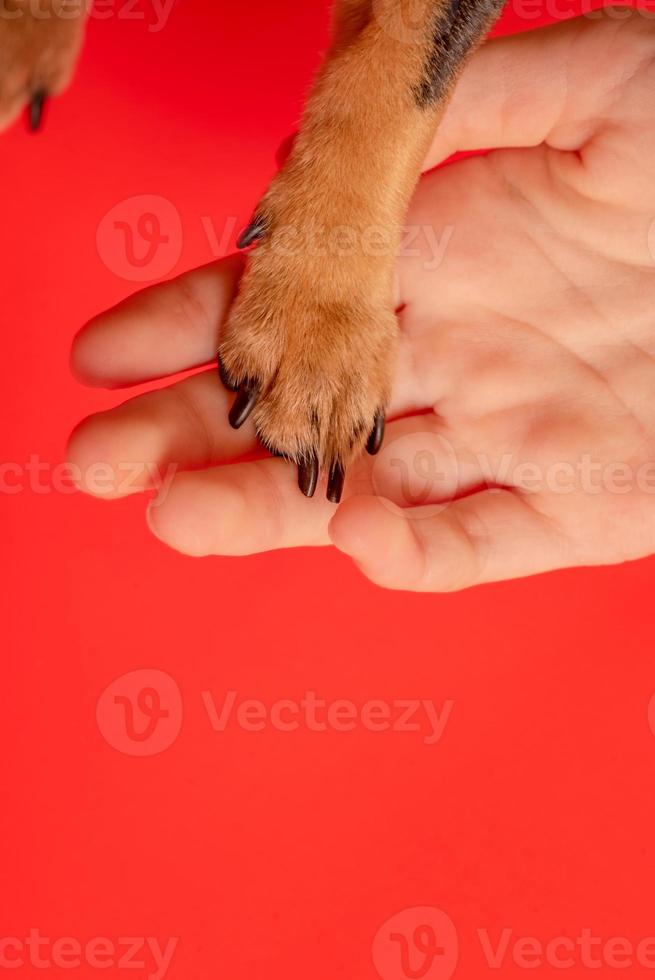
(275, 854)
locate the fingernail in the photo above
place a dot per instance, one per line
(376, 436)
(308, 476)
(36, 109)
(335, 483)
(225, 378)
(255, 230)
(242, 407)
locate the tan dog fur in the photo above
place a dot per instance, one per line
(40, 41)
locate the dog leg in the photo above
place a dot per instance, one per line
(309, 344)
(39, 44)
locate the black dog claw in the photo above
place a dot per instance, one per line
(243, 406)
(308, 475)
(335, 483)
(36, 109)
(225, 378)
(376, 436)
(255, 230)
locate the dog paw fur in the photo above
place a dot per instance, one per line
(310, 341)
(40, 41)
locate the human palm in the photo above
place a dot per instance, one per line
(524, 437)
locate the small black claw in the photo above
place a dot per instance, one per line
(335, 483)
(255, 230)
(36, 109)
(308, 475)
(377, 435)
(225, 378)
(243, 406)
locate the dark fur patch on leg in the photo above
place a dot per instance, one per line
(458, 27)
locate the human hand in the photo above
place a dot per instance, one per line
(529, 347)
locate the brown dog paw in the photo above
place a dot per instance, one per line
(309, 348)
(39, 45)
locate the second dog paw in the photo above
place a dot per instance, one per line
(38, 55)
